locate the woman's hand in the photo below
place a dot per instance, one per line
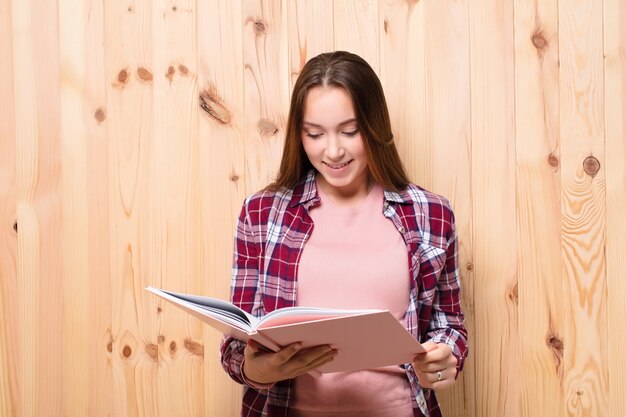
(265, 367)
(436, 369)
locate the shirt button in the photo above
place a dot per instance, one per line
(401, 230)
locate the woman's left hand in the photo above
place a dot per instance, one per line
(436, 368)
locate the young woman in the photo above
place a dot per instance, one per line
(342, 227)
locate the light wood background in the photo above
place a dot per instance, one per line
(131, 131)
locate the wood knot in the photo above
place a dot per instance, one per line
(386, 25)
(553, 161)
(213, 105)
(539, 41)
(194, 347)
(514, 294)
(555, 343)
(259, 27)
(160, 339)
(99, 115)
(469, 266)
(110, 346)
(122, 76)
(183, 69)
(234, 177)
(170, 73)
(127, 351)
(267, 128)
(174, 8)
(153, 351)
(130, 9)
(172, 347)
(15, 226)
(159, 309)
(591, 165)
(144, 74)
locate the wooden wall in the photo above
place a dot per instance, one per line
(131, 131)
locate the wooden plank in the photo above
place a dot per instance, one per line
(74, 237)
(311, 32)
(266, 87)
(36, 78)
(495, 340)
(424, 63)
(615, 160)
(220, 166)
(179, 384)
(96, 115)
(538, 185)
(10, 346)
(447, 95)
(356, 28)
(130, 132)
(403, 69)
(583, 208)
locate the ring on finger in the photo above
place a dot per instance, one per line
(439, 376)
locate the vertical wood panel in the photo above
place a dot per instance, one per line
(583, 208)
(494, 205)
(403, 74)
(35, 68)
(538, 209)
(130, 133)
(311, 32)
(447, 46)
(96, 114)
(221, 170)
(266, 87)
(615, 160)
(74, 231)
(10, 346)
(356, 29)
(169, 230)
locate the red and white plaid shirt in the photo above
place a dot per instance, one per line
(272, 230)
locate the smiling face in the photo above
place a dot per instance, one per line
(333, 143)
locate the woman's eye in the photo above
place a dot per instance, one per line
(351, 132)
(313, 135)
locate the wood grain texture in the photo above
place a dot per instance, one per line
(615, 157)
(496, 333)
(130, 133)
(36, 78)
(220, 168)
(311, 32)
(170, 228)
(266, 88)
(74, 215)
(356, 29)
(10, 381)
(133, 241)
(581, 86)
(537, 148)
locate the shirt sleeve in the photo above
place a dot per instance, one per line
(244, 290)
(447, 321)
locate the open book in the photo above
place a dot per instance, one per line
(364, 339)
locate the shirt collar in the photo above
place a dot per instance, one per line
(306, 191)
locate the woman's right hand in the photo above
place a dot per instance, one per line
(265, 367)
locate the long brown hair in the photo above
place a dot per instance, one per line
(353, 74)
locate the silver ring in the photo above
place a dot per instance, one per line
(439, 376)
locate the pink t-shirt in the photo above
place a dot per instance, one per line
(355, 258)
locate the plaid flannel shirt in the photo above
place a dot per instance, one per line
(271, 233)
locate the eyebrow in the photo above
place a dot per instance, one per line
(345, 122)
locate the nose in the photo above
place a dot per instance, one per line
(334, 148)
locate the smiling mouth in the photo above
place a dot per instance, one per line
(337, 166)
